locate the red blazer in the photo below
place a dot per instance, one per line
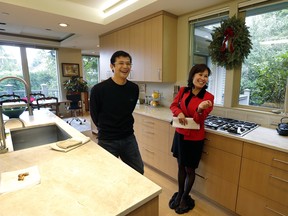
(191, 111)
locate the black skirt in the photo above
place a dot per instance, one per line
(187, 152)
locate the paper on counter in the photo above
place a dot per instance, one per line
(191, 124)
(9, 180)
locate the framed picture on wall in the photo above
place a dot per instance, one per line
(70, 69)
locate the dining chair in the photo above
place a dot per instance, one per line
(34, 97)
(9, 97)
(50, 103)
(75, 105)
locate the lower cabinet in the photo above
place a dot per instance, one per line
(218, 171)
(153, 138)
(263, 185)
(246, 178)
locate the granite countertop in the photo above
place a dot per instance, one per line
(261, 136)
(84, 181)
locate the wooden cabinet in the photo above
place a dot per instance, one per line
(218, 171)
(151, 43)
(263, 180)
(153, 140)
(107, 48)
(245, 178)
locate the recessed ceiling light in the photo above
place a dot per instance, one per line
(117, 6)
(63, 24)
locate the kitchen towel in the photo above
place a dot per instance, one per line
(10, 181)
(69, 144)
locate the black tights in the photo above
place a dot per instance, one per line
(186, 178)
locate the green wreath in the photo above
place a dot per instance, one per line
(231, 43)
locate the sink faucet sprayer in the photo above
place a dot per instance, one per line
(3, 148)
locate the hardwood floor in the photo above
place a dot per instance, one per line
(169, 186)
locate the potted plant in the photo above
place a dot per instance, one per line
(75, 85)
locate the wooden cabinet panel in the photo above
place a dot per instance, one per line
(251, 204)
(220, 163)
(217, 189)
(267, 156)
(153, 139)
(224, 143)
(108, 44)
(145, 40)
(137, 46)
(267, 181)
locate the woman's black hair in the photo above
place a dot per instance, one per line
(118, 54)
(197, 69)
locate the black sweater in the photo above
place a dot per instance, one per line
(111, 108)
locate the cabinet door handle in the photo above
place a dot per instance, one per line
(281, 161)
(280, 179)
(267, 207)
(149, 150)
(201, 176)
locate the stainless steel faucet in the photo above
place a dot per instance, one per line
(3, 148)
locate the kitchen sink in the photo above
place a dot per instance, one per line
(36, 136)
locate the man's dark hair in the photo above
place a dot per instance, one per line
(119, 53)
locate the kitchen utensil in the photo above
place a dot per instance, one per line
(283, 127)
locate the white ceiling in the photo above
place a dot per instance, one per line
(36, 21)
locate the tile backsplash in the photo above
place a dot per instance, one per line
(265, 119)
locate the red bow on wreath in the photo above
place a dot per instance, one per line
(229, 35)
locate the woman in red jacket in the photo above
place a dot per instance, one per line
(194, 102)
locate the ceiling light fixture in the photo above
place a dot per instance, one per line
(119, 5)
(63, 25)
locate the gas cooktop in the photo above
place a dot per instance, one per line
(228, 125)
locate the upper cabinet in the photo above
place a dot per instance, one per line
(151, 42)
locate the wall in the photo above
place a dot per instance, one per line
(67, 55)
(266, 119)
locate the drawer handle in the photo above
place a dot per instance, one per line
(148, 132)
(280, 179)
(149, 150)
(267, 207)
(148, 122)
(281, 161)
(205, 152)
(201, 176)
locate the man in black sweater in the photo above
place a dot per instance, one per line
(112, 103)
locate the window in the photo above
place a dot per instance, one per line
(90, 70)
(41, 68)
(265, 71)
(201, 34)
(11, 65)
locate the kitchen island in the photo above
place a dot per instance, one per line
(85, 181)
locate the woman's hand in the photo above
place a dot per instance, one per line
(204, 105)
(182, 119)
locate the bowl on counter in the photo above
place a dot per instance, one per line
(13, 112)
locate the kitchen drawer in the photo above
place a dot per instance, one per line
(252, 204)
(220, 163)
(267, 156)
(152, 132)
(217, 189)
(224, 143)
(153, 157)
(264, 180)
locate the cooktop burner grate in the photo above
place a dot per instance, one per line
(229, 125)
